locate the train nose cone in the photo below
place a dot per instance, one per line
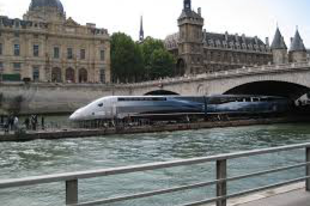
(74, 117)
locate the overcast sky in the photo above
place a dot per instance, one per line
(252, 17)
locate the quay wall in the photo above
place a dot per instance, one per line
(52, 98)
(82, 133)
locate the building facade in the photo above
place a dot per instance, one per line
(198, 51)
(46, 46)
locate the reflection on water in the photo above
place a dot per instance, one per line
(46, 157)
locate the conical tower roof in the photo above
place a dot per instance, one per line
(297, 43)
(278, 41)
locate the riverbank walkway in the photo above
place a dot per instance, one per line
(294, 198)
(292, 195)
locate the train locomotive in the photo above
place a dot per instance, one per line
(173, 107)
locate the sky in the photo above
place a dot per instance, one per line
(251, 17)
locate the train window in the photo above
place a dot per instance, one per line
(255, 100)
(100, 105)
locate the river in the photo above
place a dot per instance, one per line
(23, 159)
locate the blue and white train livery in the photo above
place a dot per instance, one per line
(136, 106)
(152, 107)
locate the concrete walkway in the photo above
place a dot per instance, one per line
(294, 198)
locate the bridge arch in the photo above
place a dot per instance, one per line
(271, 87)
(161, 92)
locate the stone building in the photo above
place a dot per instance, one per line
(45, 46)
(198, 51)
(296, 53)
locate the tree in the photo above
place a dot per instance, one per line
(126, 58)
(162, 64)
(148, 46)
(133, 62)
(158, 62)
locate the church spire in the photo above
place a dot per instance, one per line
(141, 36)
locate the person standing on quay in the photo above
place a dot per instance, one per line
(27, 123)
(15, 123)
(34, 122)
(43, 123)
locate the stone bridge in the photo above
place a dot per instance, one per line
(292, 80)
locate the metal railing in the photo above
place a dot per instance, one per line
(71, 179)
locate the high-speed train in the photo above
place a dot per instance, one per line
(136, 106)
(156, 107)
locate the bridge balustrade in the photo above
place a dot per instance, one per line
(222, 179)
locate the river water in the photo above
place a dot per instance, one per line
(18, 159)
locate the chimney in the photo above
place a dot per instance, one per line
(237, 37)
(199, 11)
(256, 39)
(226, 36)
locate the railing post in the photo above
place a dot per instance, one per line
(71, 192)
(308, 169)
(221, 187)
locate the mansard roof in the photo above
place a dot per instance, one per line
(297, 43)
(19, 23)
(278, 41)
(233, 38)
(221, 41)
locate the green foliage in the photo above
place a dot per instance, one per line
(162, 64)
(133, 62)
(126, 58)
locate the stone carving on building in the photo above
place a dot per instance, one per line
(46, 46)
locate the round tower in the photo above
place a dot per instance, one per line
(298, 52)
(279, 49)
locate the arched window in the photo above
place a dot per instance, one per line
(83, 76)
(70, 75)
(56, 75)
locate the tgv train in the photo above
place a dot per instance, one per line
(120, 107)
(247, 104)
